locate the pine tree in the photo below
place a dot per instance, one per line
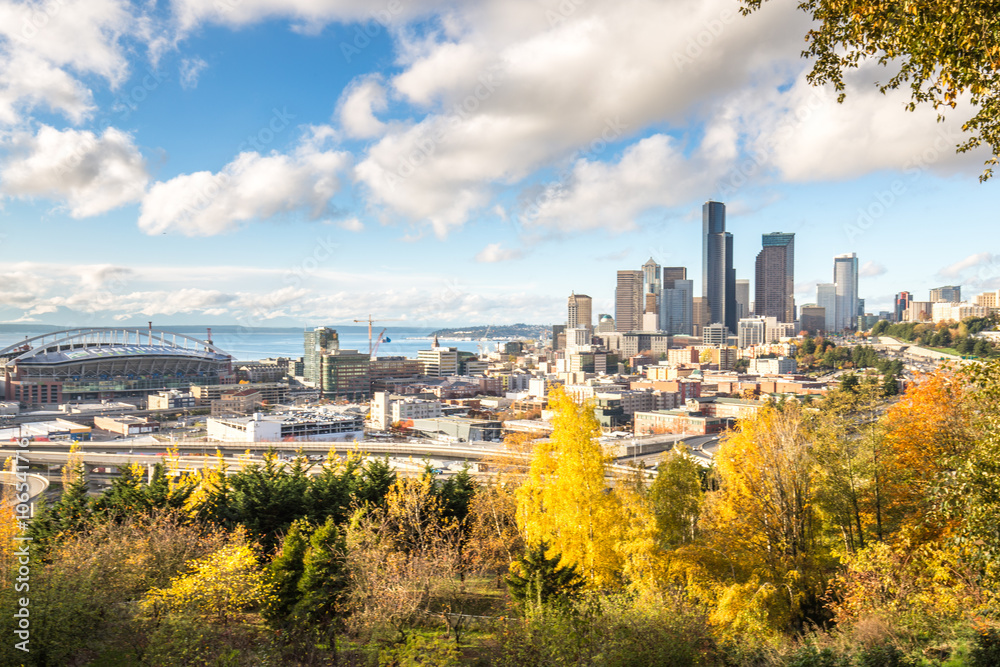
(286, 570)
(324, 576)
(536, 578)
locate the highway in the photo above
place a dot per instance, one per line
(36, 483)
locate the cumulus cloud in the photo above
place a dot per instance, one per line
(653, 172)
(984, 264)
(495, 252)
(357, 108)
(806, 135)
(509, 94)
(190, 70)
(92, 174)
(871, 269)
(251, 187)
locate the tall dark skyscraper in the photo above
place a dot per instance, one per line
(718, 277)
(775, 277)
(628, 301)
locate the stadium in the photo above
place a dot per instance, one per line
(107, 363)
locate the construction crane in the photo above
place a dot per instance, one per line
(371, 346)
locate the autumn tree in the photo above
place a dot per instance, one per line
(761, 559)
(676, 497)
(942, 51)
(564, 500)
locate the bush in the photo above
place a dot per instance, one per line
(810, 656)
(614, 631)
(883, 655)
(986, 652)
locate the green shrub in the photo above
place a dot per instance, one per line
(883, 655)
(986, 652)
(810, 656)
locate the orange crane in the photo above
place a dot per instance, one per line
(371, 347)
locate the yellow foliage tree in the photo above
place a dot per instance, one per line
(224, 583)
(761, 571)
(565, 500)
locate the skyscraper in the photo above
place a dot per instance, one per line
(718, 278)
(775, 277)
(677, 302)
(628, 301)
(948, 293)
(901, 305)
(316, 343)
(845, 277)
(578, 312)
(826, 298)
(742, 298)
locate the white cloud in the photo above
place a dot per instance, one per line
(495, 252)
(28, 82)
(985, 264)
(808, 136)
(306, 15)
(351, 225)
(511, 93)
(190, 70)
(251, 187)
(92, 174)
(653, 172)
(357, 106)
(871, 269)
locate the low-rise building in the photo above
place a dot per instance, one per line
(127, 425)
(778, 366)
(291, 426)
(675, 421)
(460, 429)
(173, 399)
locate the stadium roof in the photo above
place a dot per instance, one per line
(104, 343)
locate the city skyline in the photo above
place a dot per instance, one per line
(308, 163)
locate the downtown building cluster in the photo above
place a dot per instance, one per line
(657, 299)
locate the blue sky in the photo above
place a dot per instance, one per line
(305, 162)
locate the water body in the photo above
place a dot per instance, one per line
(259, 343)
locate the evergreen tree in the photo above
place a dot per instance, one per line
(324, 576)
(286, 570)
(537, 578)
(377, 476)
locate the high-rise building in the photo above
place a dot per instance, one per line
(715, 334)
(628, 301)
(316, 343)
(578, 314)
(947, 293)
(677, 302)
(752, 331)
(845, 277)
(439, 361)
(743, 298)
(775, 277)
(718, 278)
(826, 298)
(699, 315)
(902, 304)
(812, 319)
(345, 374)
